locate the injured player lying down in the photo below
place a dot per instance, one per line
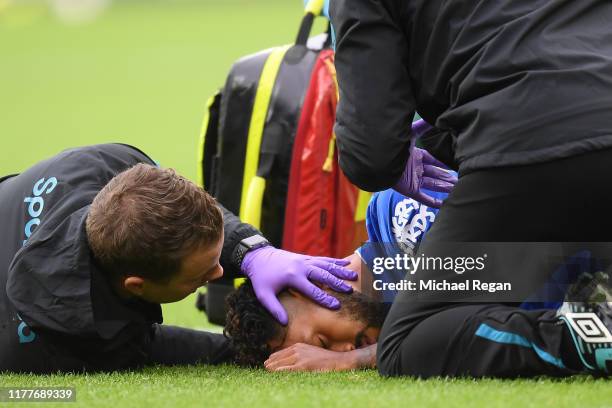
(315, 339)
(320, 339)
(495, 340)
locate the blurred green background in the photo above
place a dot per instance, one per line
(140, 73)
(77, 72)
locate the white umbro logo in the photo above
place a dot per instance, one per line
(589, 327)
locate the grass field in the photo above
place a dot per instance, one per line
(226, 386)
(141, 74)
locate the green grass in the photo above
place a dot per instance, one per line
(231, 387)
(141, 74)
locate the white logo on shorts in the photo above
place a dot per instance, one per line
(589, 327)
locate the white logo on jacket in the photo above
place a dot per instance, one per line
(407, 234)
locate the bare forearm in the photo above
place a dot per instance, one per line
(306, 357)
(364, 357)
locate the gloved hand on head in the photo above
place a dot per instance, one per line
(272, 270)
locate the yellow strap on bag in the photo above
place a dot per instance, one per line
(252, 194)
(315, 7)
(362, 205)
(329, 161)
(252, 206)
(328, 165)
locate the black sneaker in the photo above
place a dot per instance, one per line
(587, 312)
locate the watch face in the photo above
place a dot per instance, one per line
(254, 241)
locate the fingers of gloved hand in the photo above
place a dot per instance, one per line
(322, 276)
(436, 185)
(315, 293)
(439, 173)
(335, 261)
(410, 180)
(269, 301)
(428, 200)
(429, 159)
(336, 270)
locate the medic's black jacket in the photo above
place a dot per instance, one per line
(57, 310)
(506, 82)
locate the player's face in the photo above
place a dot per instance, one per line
(318, 326)
(198, 268)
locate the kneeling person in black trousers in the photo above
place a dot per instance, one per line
(501, 340)
(524, 121)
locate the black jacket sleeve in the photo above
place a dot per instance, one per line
(376, 106)
(234, 232)
(441, 144)
(171, 345)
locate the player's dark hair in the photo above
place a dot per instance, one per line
(147, 219)
(250, 327)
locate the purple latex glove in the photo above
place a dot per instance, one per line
(424, 171)
(271, 270)
(419, 128)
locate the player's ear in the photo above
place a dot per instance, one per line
(134, 285)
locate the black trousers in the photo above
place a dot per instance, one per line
(568, 200)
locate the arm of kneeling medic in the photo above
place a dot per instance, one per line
(171, 345)
(305, 357)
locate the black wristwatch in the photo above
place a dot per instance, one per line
(247, 244)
